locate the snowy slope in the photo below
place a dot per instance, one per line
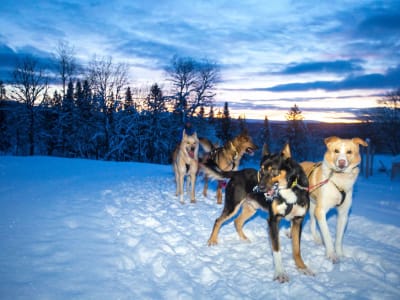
(80, 229)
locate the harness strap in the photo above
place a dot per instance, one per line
(319, 184)
(214, 155)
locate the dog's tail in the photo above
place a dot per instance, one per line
(211, 169)
(207, 145)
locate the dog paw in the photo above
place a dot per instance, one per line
(281, 277)
(212, 242)
(333, 258)
(307, 271)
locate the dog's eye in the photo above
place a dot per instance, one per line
(349, 152)
(336, 151)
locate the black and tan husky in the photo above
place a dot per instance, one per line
(279, 187)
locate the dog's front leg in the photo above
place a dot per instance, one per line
(320, 214)
(180, 190)
(193, 187)
(273, 226)
(343, 213)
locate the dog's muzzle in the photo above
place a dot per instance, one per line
(341, 164)
(191, 152)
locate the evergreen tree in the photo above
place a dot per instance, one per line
(211, 115)
(225, 129)
(129, 105)
(296, 134)
(265, 133)
(2, 90)
(242, 124)
(5, 138)
(68, 122)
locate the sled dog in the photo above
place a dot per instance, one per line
(185, 163)
(331, 185)
(279, 187)
(227, 157)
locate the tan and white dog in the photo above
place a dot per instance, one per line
(331, 185)
(186, 163)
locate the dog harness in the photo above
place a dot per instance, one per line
(215, 153)
(319, 184)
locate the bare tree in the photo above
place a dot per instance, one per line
(193, 83)
(107, 81)
(66, 63)
(30, 85)
(207, 78)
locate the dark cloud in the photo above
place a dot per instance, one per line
(389, 80)
(381, 23)
(9, 59)
(336, 67)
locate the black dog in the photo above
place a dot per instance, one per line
(280, 187)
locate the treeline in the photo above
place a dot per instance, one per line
(79, 125)
(93, 113)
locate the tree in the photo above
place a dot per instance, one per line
(107, 81)
(242, 124)
(193, 84)
(158, 125)
(2, 90)
(207, 77)
(30, 85)
(225, 131)
(385, 122)
(296, 134)
(66, 64)
(294, 114)
(68, 122)
(129, 104)
(265, 133)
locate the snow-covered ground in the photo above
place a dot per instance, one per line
(81, 229)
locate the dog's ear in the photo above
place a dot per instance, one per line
(286, 151)
(265, 150)
(330, 139)
(359, 141)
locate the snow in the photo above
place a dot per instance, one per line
(81, 229)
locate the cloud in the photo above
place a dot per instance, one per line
(10, 58)
(336, 67)
(388, 80)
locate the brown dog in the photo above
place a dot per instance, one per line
(227, 158)
(331, 185)
(186, 162)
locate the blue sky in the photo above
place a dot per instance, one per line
(331, 58)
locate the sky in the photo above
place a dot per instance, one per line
(331, 58)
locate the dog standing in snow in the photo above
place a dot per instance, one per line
(331, 185)
(186, 163)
